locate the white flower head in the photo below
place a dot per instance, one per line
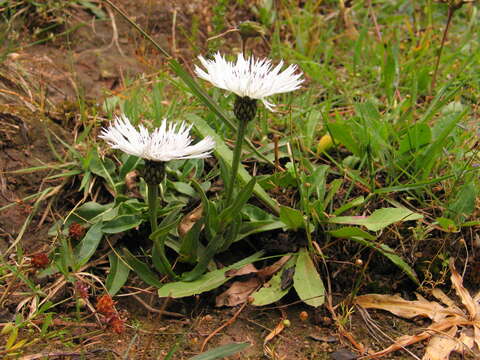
(255, 78)
(165, 143)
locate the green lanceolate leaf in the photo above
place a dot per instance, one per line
(463, 205)
(206, 282)
(235, 209)
(272, 291)
(379, 219)
(118, 274)
(222, 351)
(104, 168)
(128, 166)
(350, 231)
(88, 212)
(121, 223)
(89, 244)
(427, 160)
(141, 269)
(292, 218)
(306, 280)
(169, 223)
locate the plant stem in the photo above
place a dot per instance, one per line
(237, 151)
(160, 244)
(451, 10)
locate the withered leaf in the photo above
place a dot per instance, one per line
(237, 293)
(441, 345)
(189, 220)
(404, 308)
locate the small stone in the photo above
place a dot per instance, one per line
(343, 354)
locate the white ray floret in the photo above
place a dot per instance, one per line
(255, 78)
(165, 143)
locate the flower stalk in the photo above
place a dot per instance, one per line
(153, 174)
(237, 151)
(244, 110)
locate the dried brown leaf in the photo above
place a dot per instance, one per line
(244, 270)
(404, 308)
(407, 340)
(476, 334)
(440, 295)
(462, 293)
(237, 293)
(278, 329)
(268, 271)
(263, 274)
(189, 220)
(441, 345)
(466, 340)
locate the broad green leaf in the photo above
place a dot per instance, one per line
(222, 351)
(104, 168)
(121, 223)
(341, 133)
(390, 72)
(355, 202)
(89, 244)
(348, 232)
(379, 219)
(463, 205)
(427, 160)
(364, 238)
(292, 218)
(129, 164)
(236, 207)
(334, 186)
(272, 290)
(206, 282)
(87, 212)
(225, 154)
(306, 280)
(118, 274)
(183, 188)
(416, 137)
(254, 213)
(447, 225)
(141, 269)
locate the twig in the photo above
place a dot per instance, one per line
(451, 11)
(375, 22)
(115, 32)
(158, 311)
(229, 322)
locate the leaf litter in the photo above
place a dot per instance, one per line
(452, 330)
(239, 291)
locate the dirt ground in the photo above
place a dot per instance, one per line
(40, 85)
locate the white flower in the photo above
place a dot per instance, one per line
(168, 142)
(252, 77)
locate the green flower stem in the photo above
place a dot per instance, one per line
(237, 151)
(152, 208)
